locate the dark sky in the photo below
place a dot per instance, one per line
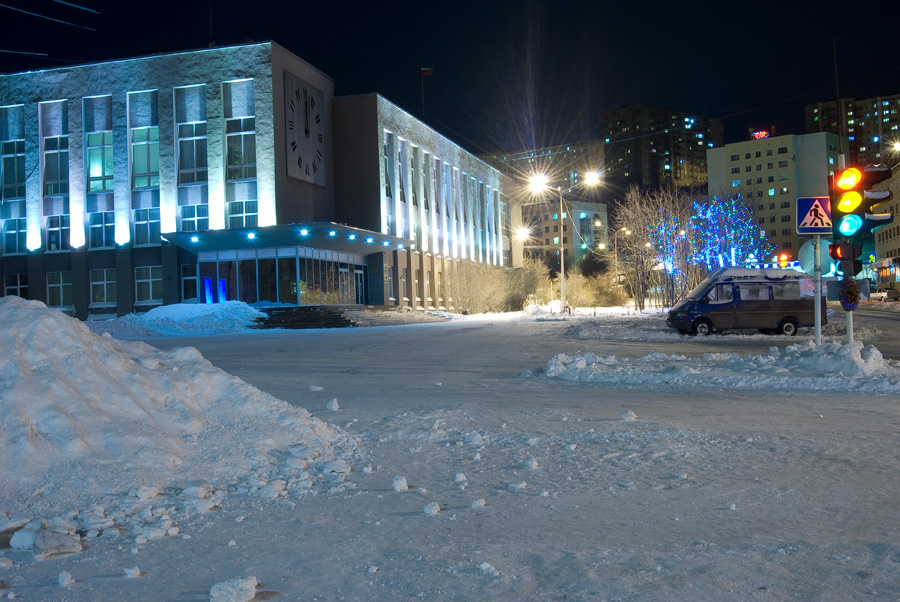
(511, 75)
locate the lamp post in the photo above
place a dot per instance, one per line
(538, 183)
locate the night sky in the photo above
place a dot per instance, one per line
(511, 75)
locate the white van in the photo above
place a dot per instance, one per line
(736, 298)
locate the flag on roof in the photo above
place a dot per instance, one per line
(427, 71)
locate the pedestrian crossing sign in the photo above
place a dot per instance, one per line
(814, 215)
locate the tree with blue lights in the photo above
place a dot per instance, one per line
(725, 235)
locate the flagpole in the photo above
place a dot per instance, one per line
(423, 73)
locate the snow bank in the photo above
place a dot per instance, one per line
(95, 428)
(182, 319)
(835, 366)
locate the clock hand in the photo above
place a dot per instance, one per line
(306, 108)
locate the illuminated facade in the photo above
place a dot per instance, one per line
(770, 174)
(207, 176)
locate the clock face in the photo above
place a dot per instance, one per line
(304, 121)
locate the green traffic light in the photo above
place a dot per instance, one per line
(850, 225)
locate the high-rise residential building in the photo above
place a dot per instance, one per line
(887, 238)
(770, 174)
(871, 126)
(232, 174)
(652, 147)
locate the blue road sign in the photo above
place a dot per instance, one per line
(814, 215)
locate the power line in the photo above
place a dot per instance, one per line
(46, 17)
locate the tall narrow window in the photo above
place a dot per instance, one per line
(146, 226)
(102, 225)
(12, 152)
(99, 153)
(103, 287)
(145, 157)
(240, 148)
(148, 285)
(98, 147)
(190, 122)
(56, 165)
(58, 233)
(143, 119)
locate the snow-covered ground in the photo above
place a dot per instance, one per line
(512, 457)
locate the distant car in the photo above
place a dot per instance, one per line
(885, 294)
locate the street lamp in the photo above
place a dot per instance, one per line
(538, 183)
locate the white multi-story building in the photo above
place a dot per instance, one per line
(770, 174)
(222, 174)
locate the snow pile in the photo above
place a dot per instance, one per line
(182, 320)
(116, 436)
(835, 366)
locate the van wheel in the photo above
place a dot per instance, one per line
(788, 327)
(702, 327)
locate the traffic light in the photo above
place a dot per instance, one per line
(783, 260)
(846, 254)
(853, 206)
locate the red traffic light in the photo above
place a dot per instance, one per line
(835, 252)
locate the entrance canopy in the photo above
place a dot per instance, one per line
(317, 235)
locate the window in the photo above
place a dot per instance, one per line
(786, 218)
(12, 169)
(747, 168)
(56, 165)
(771, 205)
(16, 284)
(99, 154)
(771, 179)
(785, 231)
(58, 233)
(242, 214)
(59, 289)
(721, 293)
(784, 190)
(770, 166)
(790, 290)
(759, 167)
(735, 183)
(189, 281)
(735, 157)
(782, 150)
(768, 152)
(771, 192)
(146, 226)
(240, 148)
(14, 236)
(746, 155)
(754, 292)
(785, 204)
(194, 218)
(145, 157)
(782, 163)
(103, 287)
(103, 226)
(758, 154)
(735, 170)
(192, 166)
(148, 285)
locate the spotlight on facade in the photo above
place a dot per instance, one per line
(195, 238)
(386, 244)
(332, 232)
(251, 235)
(523, 233)
(304, 232)
(370, 240)
(352, 237)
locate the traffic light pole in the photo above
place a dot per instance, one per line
(817, 271)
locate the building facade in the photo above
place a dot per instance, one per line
(887, 238)
(871, 126)
(770, 174)
(651, 147)
(206, 175)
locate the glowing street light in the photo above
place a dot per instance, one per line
(538, 183)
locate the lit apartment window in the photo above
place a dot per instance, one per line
(145, 157)
(99, 155)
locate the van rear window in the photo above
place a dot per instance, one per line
(754, 292)
(788, 290)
